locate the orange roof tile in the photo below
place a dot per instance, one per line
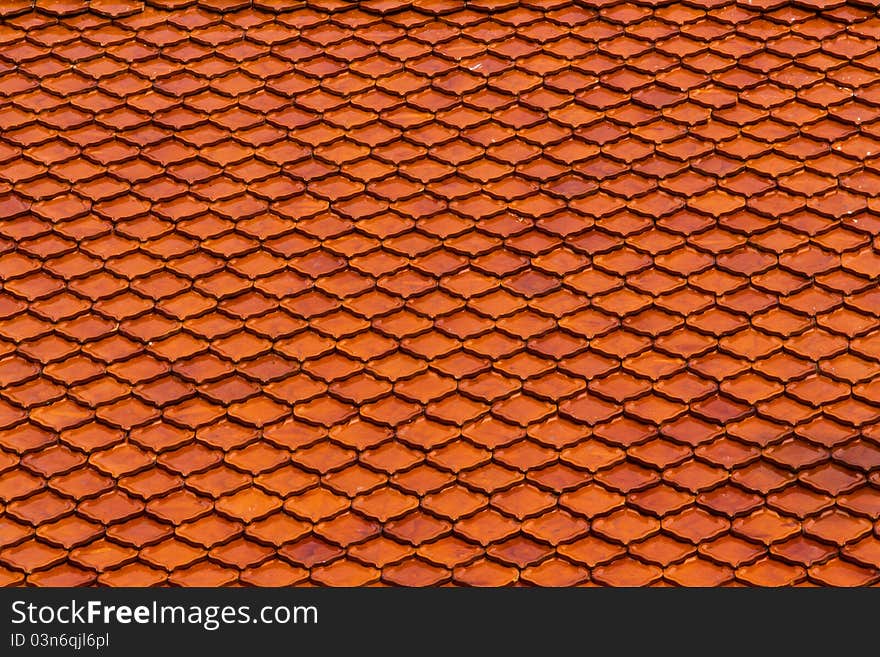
(547, 293)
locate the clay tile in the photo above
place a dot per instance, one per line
(273, 573)
(802, 550)
(344, 573)
(837, 527)
(838, 572)
(695, 525)
(731, 550)
(32, 556)
(248, 505)
(417, 528)
(626, 572)
(768, 572)
(831, 478)
(555, 572)
(485, 573)
(698, 572)
(451, 315)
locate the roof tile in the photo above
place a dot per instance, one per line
(467, 298)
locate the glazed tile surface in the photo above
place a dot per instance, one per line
(434, 292)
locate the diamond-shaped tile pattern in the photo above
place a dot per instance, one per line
(421, 293)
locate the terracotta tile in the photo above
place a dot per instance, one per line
(62, 575)
(485, 573)
(695, 525)
(698, 572)
(277, 529)
(414, 572)
(273, 573)
(837, 527)
(102, 555)
(474, 326)
(838, 572)
(449, 552)
(32, 556)
(135, 574)
(802, 550)
(767, 572)
(765, 526)
(626, 572)
(762, 477)
(625, 526)
(555, 572)
(454, 503)
(241, 554)
(204, 574)
(248, 505)
(42, 507)
(519, 551)
(731, 551)
(171, 554)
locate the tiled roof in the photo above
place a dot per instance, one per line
(434, 292)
